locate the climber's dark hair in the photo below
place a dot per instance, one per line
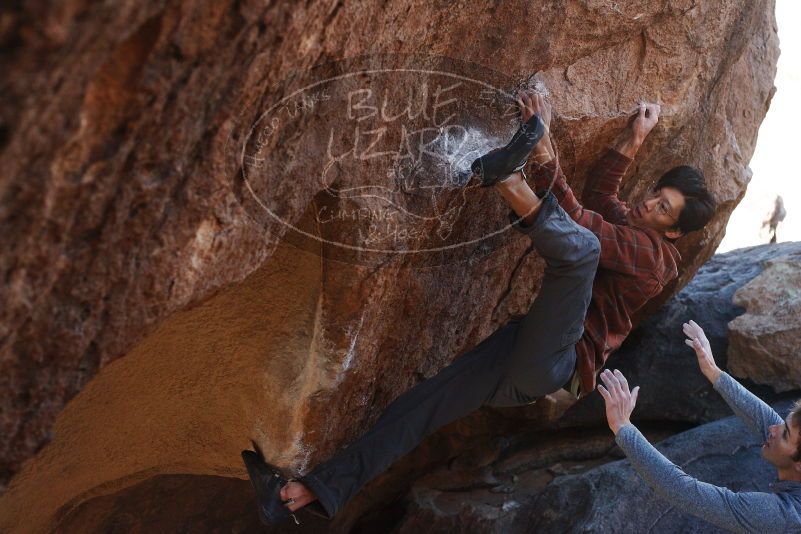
(699, 205)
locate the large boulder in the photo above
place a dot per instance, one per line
(251, 298)
(765, 342)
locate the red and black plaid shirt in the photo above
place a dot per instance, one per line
(635, 264)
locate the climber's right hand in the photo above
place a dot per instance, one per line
(645, 120)
(531, 102)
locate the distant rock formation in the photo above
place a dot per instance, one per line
(765, 342)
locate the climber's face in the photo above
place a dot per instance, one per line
(659, 210)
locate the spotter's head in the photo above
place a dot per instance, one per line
(783, 445)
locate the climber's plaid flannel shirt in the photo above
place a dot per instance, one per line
(635, 264)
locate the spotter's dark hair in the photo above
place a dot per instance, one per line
(795, 417)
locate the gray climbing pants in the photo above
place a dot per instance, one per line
(518, 363)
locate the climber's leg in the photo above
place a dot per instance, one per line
(518, 363)
(457, 390)
(543, 356)
(518, 194)
(501, 371)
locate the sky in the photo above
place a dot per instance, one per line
(773, 165)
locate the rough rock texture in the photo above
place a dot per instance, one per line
(765, 342)
(129, 229)
(169, 503)
(609, 498)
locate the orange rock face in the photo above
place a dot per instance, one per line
(276, 251)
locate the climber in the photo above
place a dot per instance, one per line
(601, 266)
(745, 511)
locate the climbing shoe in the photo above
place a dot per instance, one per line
(267, 481)
(497, 165)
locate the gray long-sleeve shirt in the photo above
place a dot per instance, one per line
(758, 512)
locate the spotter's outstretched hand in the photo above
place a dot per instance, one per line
(619, 400)
(703, 351)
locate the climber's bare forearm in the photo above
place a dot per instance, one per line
(543, 152)
(628, 144)
(642, 123)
